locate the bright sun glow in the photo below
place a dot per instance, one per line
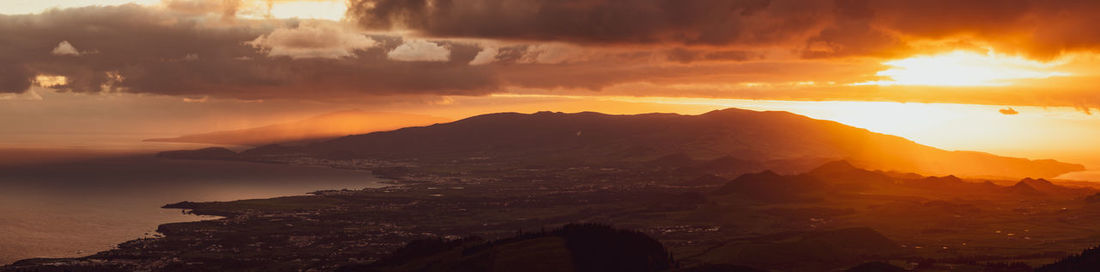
(329, 10)
(964, 68)
(50, 80)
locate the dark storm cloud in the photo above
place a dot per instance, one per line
(818, 28)
(13, 77)
(1042, 28)
(511, 54)
(478, 47)
(144, 50)
(683, 55)
(597, 21)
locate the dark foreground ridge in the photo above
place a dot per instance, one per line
(778, 140)
(699, 217)
(574, 247)
(1088, 260)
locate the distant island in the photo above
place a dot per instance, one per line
(780, 141)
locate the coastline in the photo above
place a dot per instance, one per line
(118, 199)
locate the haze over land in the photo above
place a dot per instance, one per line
(330, 125)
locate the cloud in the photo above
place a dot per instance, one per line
(65, 49)
(729, 48)
(589, 21)
(818, 28)
(149, 50)
(14, 78)
(29, 95)
(683, 55)
(485, 56)
(196, 100)
(1008, 111)
(419, 50)
(313, 39)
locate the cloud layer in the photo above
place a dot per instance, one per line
(145, 50)
(185, 52)
(313, 40)
(773, 49)
(817, 28)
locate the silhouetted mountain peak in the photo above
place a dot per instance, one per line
(769, 186)
(1022, 183)
(944, 179)
(840, 166)
(728, 111)
(1044, 186)
(763, 176)
(1040, 182)
(763, 182)
(741, 112)
(1024, 188)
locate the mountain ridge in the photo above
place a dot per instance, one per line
(733, 134)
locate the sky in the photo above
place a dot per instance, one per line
(1012, 77)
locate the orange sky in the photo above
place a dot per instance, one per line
(185, 66)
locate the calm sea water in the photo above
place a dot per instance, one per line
(66, 209)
